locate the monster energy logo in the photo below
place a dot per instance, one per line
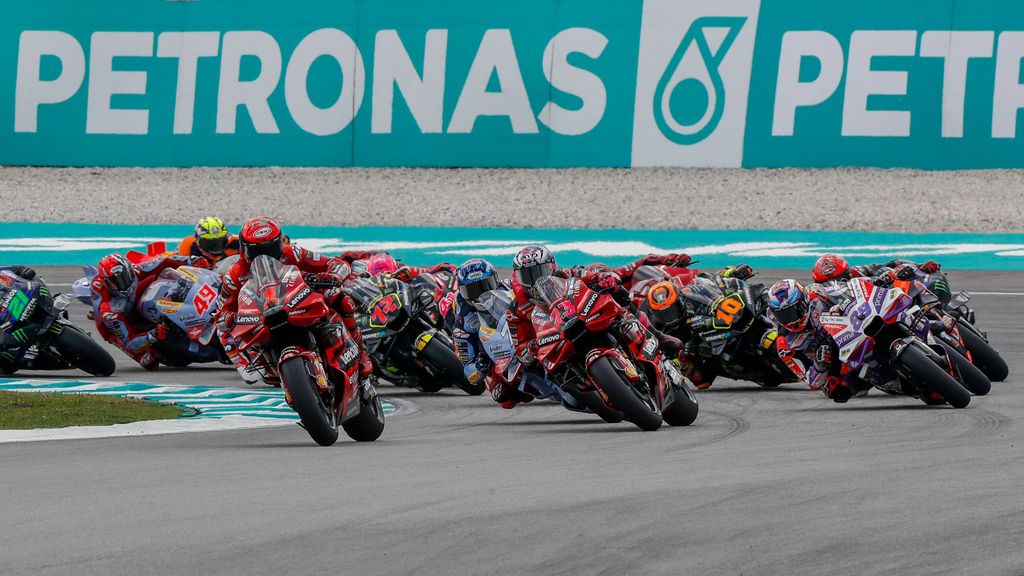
(690, 97)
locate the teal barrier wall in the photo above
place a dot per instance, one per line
(921, 83)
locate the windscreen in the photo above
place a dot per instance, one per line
(492, 305)
(550, 288)
(645, 273)
(266, 271)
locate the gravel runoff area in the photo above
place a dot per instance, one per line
(825, 199)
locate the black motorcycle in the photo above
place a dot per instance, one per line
(37, 334)
(736, 338)
(403, 331)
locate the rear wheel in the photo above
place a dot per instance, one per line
(369, 424)
(316, 416)
(622, 395)
(984, 355)
(447, 367)
(85, 353)
(970, 376)
(933, 378)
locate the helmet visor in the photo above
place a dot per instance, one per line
(216, 246)
(272, 248)
(528, 275)
(667, 318)
(119, 282)
(472, 290)
(792, 314)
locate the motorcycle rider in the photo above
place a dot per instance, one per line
(15, 339)
(535, 262)
(804, 345)
(384, 263)
(262, 236)
(212, 240)
(834, 267)
(674, 315)
(477, 277)
(115, 291)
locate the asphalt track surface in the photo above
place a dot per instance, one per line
(765, 482)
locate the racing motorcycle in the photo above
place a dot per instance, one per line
(443, 287)
(740, 342)
(954, 331)
(184, 299)
(286, 329)
(38, 335)
(403, 331)
(874, 331)
(496, 342)
(576, 347)
(982, 354)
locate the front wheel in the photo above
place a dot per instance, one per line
(85, 353)
(317, 418)
(969, 375)
(622, 395)
(447, 368)
(984, 355)
(933, 378)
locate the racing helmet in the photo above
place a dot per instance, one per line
(381, 264)
(117, 274)
(212, 237)
(666, 308)
(789, 304)
(261, 236)
(531, 264)
(475, 277)
(830, 267)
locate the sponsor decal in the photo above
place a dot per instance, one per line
(299, 297)
(351, 352)
(589, 305)
(248, 319)
(549, 339)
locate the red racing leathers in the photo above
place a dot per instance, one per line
(117, 320)
(330, 271)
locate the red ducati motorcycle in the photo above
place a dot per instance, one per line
(286, 329)
(576, 346)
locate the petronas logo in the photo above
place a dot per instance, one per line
(690, 97)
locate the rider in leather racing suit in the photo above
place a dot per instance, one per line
(386, 264)
(535, 262)
(8, 364)
(804, 345)
(693, 326)
(115, 290)
(834, 267)
(263, 237)
(476, 277)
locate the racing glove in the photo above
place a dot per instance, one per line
(607, 281)
(158, 334)
(226, 321)
(740, 272)
(823, 358)
(201, 262)
(838, 390)
(885, 279)
(24, 271)
(905, 272)
(930, 267)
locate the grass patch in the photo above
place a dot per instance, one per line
(29, 410)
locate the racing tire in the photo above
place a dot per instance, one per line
(317, 418)
(681, 409)
(84, 353)
(448, 368)
(934, 378)
(369, 424)
(984, 355)
(622, 396)
(971, 377)
(593, 401)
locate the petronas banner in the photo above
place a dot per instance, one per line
(535, 83)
